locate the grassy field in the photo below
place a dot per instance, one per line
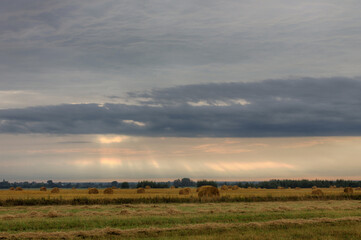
(301, 219)
(260, 220)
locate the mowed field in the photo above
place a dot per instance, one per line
(301, 219)
(159, 193)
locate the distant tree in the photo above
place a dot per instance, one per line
(186, 182)
(206, 182)
(50, 183)
(152, 184)
(124, 185)
(177, 183)
(114, 184)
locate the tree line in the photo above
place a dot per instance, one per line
(187, 182)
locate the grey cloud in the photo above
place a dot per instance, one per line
(299, 107)
(185, 41)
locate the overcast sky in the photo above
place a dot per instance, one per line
(189, 71)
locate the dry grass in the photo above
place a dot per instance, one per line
(208, 192)
(140, 190)
(224, 188)
(69, 194)
(108, 191)
(317, 192)
(55, 190)
(93, 191)
(185, 191)
(348, 190)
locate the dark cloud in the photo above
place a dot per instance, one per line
(300, 107)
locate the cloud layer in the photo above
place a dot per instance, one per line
(74, 51)
(271, 108)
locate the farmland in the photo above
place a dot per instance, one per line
(305, 217)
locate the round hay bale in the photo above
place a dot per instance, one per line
(317, 192)
(208, 192)
(297, 188)
(185, 191)
(358, 189)
(140, 190)
(279, 187)
(198, 188)
(55, 190)
(12, 188)
(108, 191)
(93, 191)
(73, 188)
(229, 187)
(224, 188)
(114, 187)
(235, 187)
(172, 187)
(314, 187)
(348, 190)
(18, 189)
(43, 189)
(147, 187)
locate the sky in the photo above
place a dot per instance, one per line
(225, 90)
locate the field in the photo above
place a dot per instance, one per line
(306, 217)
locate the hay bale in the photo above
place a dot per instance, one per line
(198, 188)
(208, 192)
(314, 187)
(297, 188)
(12, 188)
(358, 189)
(140, 190)
(108, 191)
(185, 191)
(333, 186)
(147, 187)
(93, 191)
(73, 188)
(235, 187)
(224, 188)
(43, 189)
(229, 187)
(317, 192)
(172, 187)
(18, 189)
(55, 190)
(348, 190)
(279, 187)
(114, 187)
